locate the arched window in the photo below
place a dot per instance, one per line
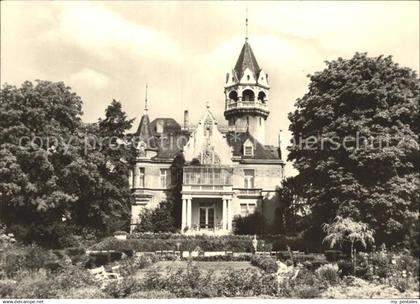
(261, 97)
(248, 95)
(233, 96)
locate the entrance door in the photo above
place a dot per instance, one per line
(206, 217)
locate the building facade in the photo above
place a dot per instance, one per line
(227, 170)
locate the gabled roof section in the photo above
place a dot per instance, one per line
(144, 132)
(169, 126)
(236, 140)
(246, 60)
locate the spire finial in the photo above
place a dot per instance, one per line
(145, 100)
(246, 23)
(207, 104)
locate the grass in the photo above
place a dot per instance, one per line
(217, 267)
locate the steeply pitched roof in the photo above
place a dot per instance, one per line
(246, 60)
(167, 140)
(169, 125)
(236, 140)
(144, 132)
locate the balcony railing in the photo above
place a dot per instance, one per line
(207, 175)
(246, 104)
(249, 191)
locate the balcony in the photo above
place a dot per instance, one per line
(211, 177)
(231, 104)
(248, 192)
(246, 107)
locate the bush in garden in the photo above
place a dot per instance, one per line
(83, 293)
(218, 258)
(31, 258)
(6, 288)
(123, 288)
(192, 282)
(131, 265)
(306, 292)
(35, 285)
(268, 264)
(332, 255)
(345, 267)
(152, 294)
(74, 277)
(329, 273)
(381, 264)
(254, 223)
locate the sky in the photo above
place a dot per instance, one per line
(183, 50)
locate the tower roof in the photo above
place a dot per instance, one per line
(247, 60)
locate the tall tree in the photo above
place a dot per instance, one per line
(292, 208)
(99, 177)
(37, 123)
(58, 175)
(355, 144)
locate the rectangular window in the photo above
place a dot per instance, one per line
(165, 178)
(247, 209)
(141, 177)
(249, 178)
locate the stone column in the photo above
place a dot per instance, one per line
(229, 220)
(224, 215)
(136, 177)
(189, 215)
(184, 214)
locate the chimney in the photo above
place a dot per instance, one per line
(186, 119)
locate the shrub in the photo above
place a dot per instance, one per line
(267, 264)
(306, 292)
(345, 267)
(131, 265)
(217, 258)
(31, 258)
(6, 288)
(83, 293)
(123, 288)
(36, 285)
(252, 224)
(332, 255)
(193, 282)
(152, 294)
(329, 273)
(381, 264)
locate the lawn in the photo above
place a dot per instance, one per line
(217, 267)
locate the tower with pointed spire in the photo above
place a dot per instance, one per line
(246, 95)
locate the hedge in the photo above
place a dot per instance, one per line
(169, 241)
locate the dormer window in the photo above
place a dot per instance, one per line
(248, 150)
(159, 126)
(248, 77)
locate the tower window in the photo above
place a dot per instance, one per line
(260, 121)
(248, 95)
(261, 97)
(247, 77)
(233, 96)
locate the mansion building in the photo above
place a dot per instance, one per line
(228, 170)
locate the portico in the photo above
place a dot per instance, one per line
(206, 214)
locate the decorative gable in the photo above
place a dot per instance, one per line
(207, 144)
